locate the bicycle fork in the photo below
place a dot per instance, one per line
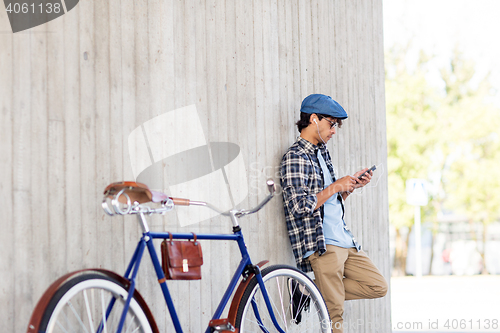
(258, 276)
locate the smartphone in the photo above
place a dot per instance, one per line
(373, 168)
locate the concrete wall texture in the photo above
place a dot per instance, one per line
(123, 90)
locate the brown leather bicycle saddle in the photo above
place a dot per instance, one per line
(136, 191)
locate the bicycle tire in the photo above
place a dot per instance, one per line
(314, 317)
(80, 304)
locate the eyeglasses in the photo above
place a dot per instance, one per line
(332, 123)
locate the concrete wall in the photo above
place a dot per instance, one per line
(73, 91)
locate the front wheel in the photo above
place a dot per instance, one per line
(92, 303)
(296, 301)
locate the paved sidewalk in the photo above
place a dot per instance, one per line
(441, 304)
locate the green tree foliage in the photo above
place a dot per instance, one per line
(412, 111)
(449, 136)
(472, 145)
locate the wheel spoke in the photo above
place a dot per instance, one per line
(275, 310)
(282, 305)
(89, 313)
(103, 312)
(61, 327)
(130, 325)
(77, 316)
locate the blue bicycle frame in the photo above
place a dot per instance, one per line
(147, 241)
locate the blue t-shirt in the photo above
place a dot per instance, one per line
(333, 224)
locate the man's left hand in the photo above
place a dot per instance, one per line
(364, 180)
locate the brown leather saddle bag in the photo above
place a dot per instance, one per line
(181, 260)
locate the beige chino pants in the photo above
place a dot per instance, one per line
(345, 274)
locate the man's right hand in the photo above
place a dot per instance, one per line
(345, 184)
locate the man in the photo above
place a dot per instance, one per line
(314, 210)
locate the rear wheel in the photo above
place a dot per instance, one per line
(296, 301)
(92, 303)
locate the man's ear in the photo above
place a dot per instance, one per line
(313, 118)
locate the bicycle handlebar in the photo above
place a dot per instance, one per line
(169, 203)
(272, 189)
(270, 186)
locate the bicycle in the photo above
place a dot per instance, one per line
(278, 298)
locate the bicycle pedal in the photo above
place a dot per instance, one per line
(222, 326)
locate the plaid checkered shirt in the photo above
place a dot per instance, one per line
(301, 180)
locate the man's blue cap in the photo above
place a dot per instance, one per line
(322, 104)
